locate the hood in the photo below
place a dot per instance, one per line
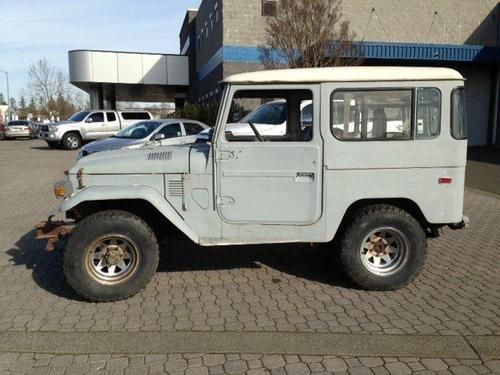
(65, 122)
(111, 144)
(144, 160)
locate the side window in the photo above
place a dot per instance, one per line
(428, 113)
(135, 116)
(97, 117)
(111, 116)
(171, 130)
(192, 128)
(371, 115)
(458, 114)
(270, 116)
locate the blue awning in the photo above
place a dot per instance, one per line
(427, 52)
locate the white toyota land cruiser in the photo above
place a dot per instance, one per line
(380, 168)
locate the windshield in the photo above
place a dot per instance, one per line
(13, 123)
(139, 130)
(79, 116)
(271, 113)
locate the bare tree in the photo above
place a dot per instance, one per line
(52, 88)
(308, 33)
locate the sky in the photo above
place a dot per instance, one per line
(33, 29)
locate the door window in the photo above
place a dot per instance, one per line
(171, 131)
(192, 128)
(111, 116)
(97, 117)
(270, 116)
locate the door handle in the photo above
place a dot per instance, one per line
(304, 176)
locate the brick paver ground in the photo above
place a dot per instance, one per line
(251, 364)
(288, 288)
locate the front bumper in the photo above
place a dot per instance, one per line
(53, 231)
(49, 136)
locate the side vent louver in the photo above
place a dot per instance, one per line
(162, 155)
(176, 188)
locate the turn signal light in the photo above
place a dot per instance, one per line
(59, 191)
(445, 180)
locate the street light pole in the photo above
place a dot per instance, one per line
(8, 94)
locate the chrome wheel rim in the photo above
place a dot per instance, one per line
(72, 141)
(384, 251)
(112, 259)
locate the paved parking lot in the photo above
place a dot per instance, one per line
(285, 289)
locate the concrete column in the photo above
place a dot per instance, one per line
(96, 100)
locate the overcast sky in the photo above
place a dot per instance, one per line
(33, 29)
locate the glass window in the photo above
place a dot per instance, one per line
(135, 116)
(192, 128)
(372, 115)
(111, 116)
(458, 114)
(269, 8)
(272, 116)
(97, 117)
(79, 116)
(138, 131)
(428, 113)
(171, 131)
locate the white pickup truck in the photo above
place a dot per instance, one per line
(88, 126)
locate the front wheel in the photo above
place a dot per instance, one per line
(110, 255)
(72, 141)
(383, 248)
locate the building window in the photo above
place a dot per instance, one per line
(206, 30)
(216, 11)
(211, 22)
(269, 8)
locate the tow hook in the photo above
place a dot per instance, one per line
(53, 231)
(464, 224)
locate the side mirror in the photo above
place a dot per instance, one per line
(158, 136)
(89, 120)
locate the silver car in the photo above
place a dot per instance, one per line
(161, 132)
(18, 129)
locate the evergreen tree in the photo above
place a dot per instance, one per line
(23, 112)
(2, 99)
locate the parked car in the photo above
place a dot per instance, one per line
(379, 191)
(18, 129)
(89, 126)
(269, 119)
(153, 132)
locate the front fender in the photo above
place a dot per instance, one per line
(106, 193)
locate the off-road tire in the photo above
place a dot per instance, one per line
(71, 141)
(100, 225)
(368, 219)
(52, 144)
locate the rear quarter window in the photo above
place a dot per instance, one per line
(458, 114)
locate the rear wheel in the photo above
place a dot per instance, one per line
(383, 248)
(110, 255)
(72, 141)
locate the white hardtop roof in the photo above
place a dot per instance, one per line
(346, 74)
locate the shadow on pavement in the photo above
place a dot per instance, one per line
(300, 260)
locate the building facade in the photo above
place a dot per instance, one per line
(222, 36)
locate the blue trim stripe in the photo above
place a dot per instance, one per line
(372, 50)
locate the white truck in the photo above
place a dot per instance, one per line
(89, 126)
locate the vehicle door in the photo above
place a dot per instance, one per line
(172, 133)
(270, 179)
(191, 131)
(112, 123)
(95, 126)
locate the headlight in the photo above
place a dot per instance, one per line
(53, 127)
